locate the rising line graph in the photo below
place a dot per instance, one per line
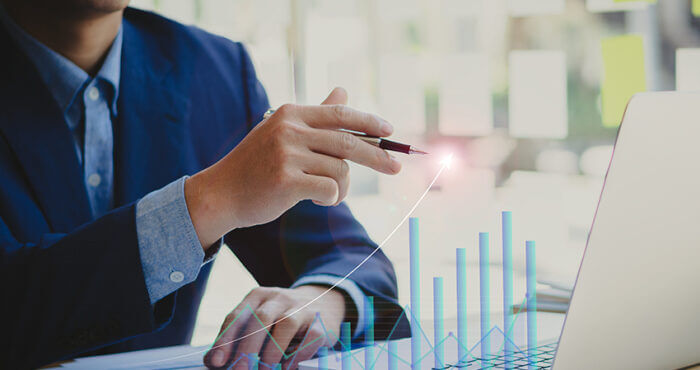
(445, 163)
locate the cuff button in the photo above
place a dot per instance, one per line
(177, 277)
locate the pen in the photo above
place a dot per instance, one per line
(374, 140)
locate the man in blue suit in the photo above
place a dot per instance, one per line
(104, 238)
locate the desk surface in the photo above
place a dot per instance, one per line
(190, 357)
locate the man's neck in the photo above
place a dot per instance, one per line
(84, 39)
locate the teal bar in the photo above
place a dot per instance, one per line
(462, 304)
(507, 238)
(323, 358)
(253, 361)
(438, 322)
(278, 367)
(393, 353)
(413, 242)
(531, 303)
(485, 299)
(346, 359)
(369, 333)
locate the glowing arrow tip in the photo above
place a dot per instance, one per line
(447, 161)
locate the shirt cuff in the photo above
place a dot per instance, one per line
(171, 255)
(349, 287)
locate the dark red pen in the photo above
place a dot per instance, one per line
(388, 144)
(374, 140)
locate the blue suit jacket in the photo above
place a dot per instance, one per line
(72, 284)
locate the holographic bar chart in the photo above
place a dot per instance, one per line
(254, 360)
(346, 343)
(462, 302)
(507, 242)
(466, 351)
(415, 292)
(531, 303)
(485, 298)
(447, 349)
(439, 323)
(369, 333)
(393, 362)
(322, 358)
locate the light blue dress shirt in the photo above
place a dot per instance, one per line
(171, 254)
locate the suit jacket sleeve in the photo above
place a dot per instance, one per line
(310, 239)
(72, 292)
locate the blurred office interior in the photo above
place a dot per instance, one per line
(511, 88)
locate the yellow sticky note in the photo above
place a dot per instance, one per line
(624, 76)
(696, 8)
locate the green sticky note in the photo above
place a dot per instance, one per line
(696, 8)
(624, 76)
(635, 1)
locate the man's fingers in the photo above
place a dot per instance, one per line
(221, 351)
(320, 189)
(337, 96)
(347, 146)
(336, 169)
(283, 334)
(314, 339)
(338, 116)
(230, 330)
(266, 314)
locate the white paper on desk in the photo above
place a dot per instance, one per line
(537, 95)
(177, 357)
(522, 8)
(563, 283)
(466, 106)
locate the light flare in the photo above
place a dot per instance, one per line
(447, 161)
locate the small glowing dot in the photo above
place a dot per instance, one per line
(447, 161)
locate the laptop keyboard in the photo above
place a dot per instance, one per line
(542, 358)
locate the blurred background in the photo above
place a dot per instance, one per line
(526, 94)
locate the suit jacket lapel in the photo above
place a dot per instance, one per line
(34, 126)
(150, 132)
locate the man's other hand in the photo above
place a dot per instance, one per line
(295, 154)
(300, 335)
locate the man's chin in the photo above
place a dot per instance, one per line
(102, 6)
(79, 7)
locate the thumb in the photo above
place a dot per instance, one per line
(337, 96)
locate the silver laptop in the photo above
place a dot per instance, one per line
(636, 302)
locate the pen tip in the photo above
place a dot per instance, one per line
(417, 151)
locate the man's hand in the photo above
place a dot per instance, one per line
(295, 154)
(300, 333)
